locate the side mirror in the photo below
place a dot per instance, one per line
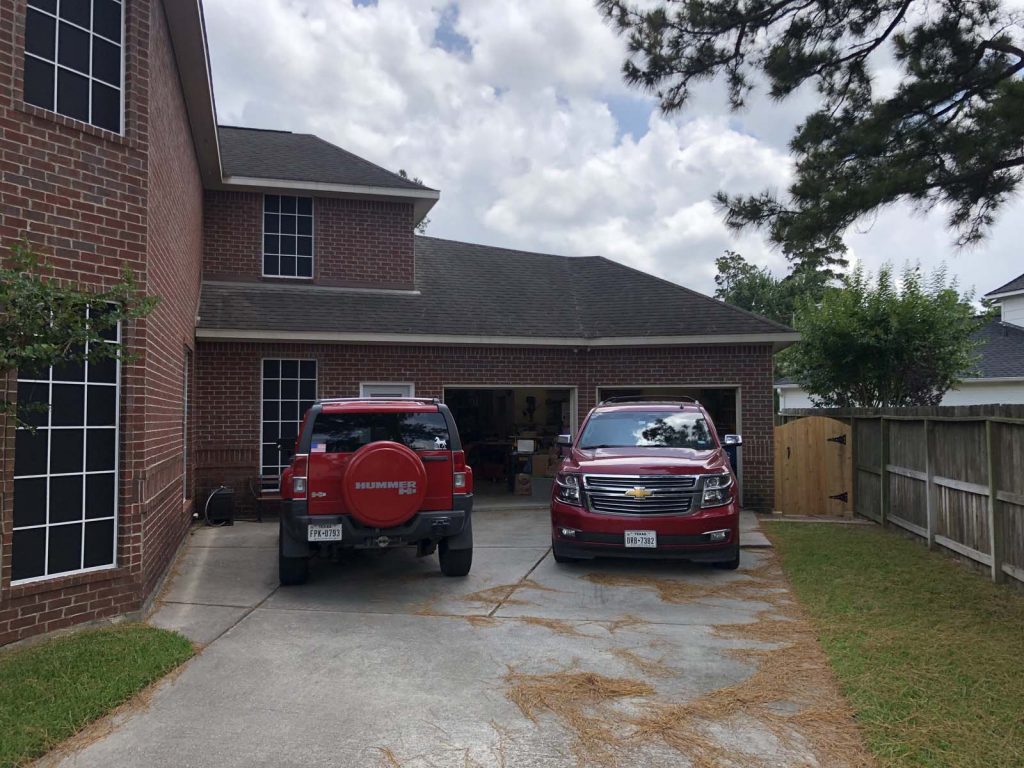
(732, 440)
(564, 440)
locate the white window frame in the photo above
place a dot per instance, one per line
(316, 388)
(87, 75)
(312, 240)
(50, 381)
(366, 388)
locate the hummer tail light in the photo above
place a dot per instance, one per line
(462, 476)
(300, 467)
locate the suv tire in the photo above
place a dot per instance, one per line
(561, 557)
(291, 571)
(729, 565)
(454, 562)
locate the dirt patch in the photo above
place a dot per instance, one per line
(558, 626)
(502, 594)
(625, 622)
(650, 667)
(678, 592)
(481, 622)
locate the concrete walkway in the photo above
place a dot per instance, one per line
(382, 661)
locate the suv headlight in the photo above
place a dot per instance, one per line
(567, 488)
(717, 490)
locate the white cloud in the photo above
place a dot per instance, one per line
(520, 135)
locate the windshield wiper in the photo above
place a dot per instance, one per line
(602, 445)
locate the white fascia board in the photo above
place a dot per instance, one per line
(1005, 295)
(994, 380)
(240, 334)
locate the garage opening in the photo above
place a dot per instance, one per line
(509, 435)
(721, 403)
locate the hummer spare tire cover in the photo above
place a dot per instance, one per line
(384, 484)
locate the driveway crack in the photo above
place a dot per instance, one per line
(519, 583)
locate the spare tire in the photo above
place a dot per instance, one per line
(384, 484)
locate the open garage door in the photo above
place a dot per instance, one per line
(509, 434)
(721, 402)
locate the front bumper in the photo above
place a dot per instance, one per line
(454, 525)
(679, 536)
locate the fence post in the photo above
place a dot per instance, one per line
(883, 507)
(853, 467)
(995, 528)
(931, 502)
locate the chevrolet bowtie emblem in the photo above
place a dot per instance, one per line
(639, 493)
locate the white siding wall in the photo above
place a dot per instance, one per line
(969, 393)
(1013, 310)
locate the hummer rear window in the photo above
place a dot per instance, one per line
(347, 432)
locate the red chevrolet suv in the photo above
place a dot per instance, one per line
(374, 474)
(647, 479)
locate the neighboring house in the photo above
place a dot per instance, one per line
(288, 269)
(999, 377)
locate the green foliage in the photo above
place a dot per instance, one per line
(951, 133)
(929, 655)
(871, 343)
(757, 290)
(50, 691)
(45, 321)
(421, 228)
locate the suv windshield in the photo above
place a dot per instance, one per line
(629, 429)
(347, 432)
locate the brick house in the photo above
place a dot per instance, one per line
(288, 269)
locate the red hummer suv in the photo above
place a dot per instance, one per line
(375, 474)
(647, 479)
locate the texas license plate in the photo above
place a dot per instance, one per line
(324, 532)
(642, 539)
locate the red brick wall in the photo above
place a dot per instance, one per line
(229, 375)
(355, 242)
(81, 196)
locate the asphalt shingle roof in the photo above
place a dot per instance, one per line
(476, 290)
(289, 156)
(1017, 284)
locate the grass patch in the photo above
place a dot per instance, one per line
(930, 656)
(52, 690)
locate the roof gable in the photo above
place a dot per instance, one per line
(1014, 286)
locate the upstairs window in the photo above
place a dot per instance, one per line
(287, 236)
(74, 59)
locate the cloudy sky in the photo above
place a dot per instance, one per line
(517, 112)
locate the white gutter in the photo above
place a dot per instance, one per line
(779, 340)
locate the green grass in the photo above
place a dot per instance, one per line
(51, 690)
(929, 654)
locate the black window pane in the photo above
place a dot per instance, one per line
(270, 431)
(304, 246)
(68, 405)
(65, 544)
(40, 34)
(66, 450)
(99, 495)
(271, 368)
(103, 370)
(74, 48)
(100, 447)
(28, 556)
(72, 95)
(287, 204)
(288, 266)
(29, 502)
(289, 412)
(76, 11)
(307, 369)
(271, 410)
(106, 19)
(46, 5)
(289, 430)
(287, 225)
(270, 454)
(304, 225)
(289, 369)
(270, 222)
(99, 544)
(304, 205)
(270, 243)
(99, 316)
(289, 390)
(287, 247)
(271, 203)
(33, 407)
(307, 390)
(30, 452)
(102, 402)
(38, 83)
(65, 498)
(106, 107)
(71, 369)
(106, 62)
(271, 265)
(271, 390)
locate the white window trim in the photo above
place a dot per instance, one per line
(364, 385)
(312, 239)
(56, 67)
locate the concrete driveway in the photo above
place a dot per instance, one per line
(381, 661)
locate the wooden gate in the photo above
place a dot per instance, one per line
(813, 467)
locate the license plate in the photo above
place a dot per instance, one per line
(325, 532)
(642, 539)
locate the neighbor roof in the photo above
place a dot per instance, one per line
(1015, 285)
(1000, 352)
(481, 292)
(303, 157)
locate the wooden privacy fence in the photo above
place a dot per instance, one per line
(953, 476)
